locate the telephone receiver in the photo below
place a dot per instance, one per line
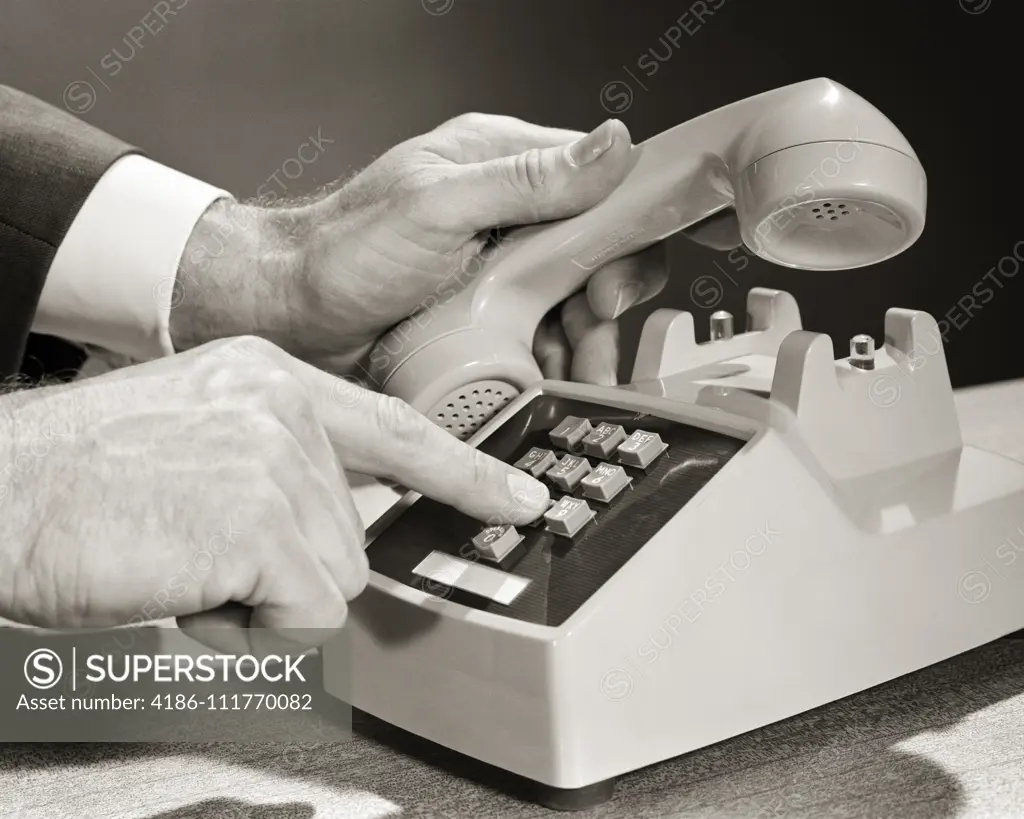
(819, 179)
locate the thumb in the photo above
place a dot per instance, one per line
(542, 184)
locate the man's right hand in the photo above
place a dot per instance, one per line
(215, 477)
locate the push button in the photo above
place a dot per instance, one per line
(641, 448)
(605, 482)
(602, 440)
(495, 542)
(568, 472)
(570, 432)
(568, 516)
(537, 461)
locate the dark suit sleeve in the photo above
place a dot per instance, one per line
(49, 163)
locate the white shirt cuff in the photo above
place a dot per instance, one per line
(111, 282)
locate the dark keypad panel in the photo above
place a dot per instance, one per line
(565, 569)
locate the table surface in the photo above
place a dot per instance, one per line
(947, 741)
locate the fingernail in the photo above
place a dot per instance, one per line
(529, 495)
(593, 144)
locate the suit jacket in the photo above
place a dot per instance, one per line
(49, 163)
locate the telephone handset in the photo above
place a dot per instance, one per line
(819, 178)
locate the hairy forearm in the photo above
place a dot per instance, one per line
(29, 433)
(239, 275)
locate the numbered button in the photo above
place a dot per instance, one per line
(601, 441)
(537, 461)
(568, 516)
(568, 472)
(570, 432)
(605, 482)
(496, 542)
(641, 448)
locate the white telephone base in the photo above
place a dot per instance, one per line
(813, 529)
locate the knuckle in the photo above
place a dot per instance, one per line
(526, 170)
(398, 419)
(273, 387)
(243, 348)
(471, 119)
(275, 443)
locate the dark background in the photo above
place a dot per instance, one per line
(229, 89)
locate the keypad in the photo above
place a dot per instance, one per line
(495, 542)
(568, 516)
(570, 432)
(603, 440)
(641, 448)
(574, 474)
(605, 482)
(568, 472)
(587, 533)
(537, 461)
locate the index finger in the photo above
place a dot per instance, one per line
(381, 436)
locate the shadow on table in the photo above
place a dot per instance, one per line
(841, 759)
(237, 809)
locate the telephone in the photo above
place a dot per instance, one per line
(818, 177)
(748, 530)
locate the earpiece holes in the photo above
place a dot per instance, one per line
(830, 210)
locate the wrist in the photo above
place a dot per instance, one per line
(239, 275)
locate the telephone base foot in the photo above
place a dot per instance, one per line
(570, 799)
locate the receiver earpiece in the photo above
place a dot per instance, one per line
(868, 208)
(820, 180)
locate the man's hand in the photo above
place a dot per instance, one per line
(215, 477)
(324, 279)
